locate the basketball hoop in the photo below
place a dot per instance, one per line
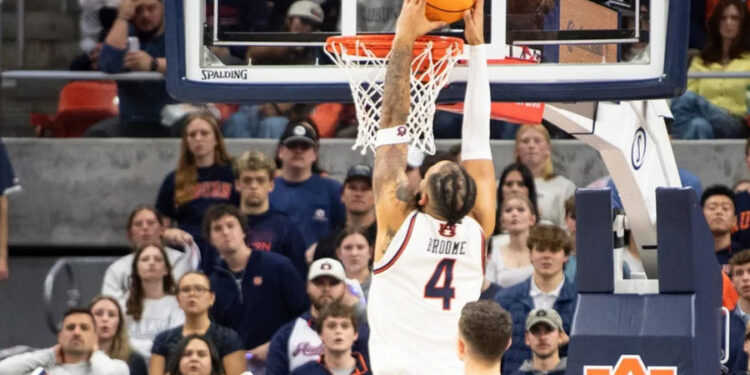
(364, 59)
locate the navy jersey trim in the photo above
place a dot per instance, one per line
(400, 249)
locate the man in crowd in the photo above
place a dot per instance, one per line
(145, 228)
(297, 343)
(269, 230)
(76, 352)
(141, 102)
(544, 335)
(360, 209)
(337, 328)
(257, 292)
(739, 269)
(8, 184)
(311, 201)
(718, 208)
(484, 332)
(547, 288)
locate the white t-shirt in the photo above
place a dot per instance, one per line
(158, 315)
(550, 196)
(117, 277)
(427, 274)
(497, 272)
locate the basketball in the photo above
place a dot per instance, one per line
(447, 10)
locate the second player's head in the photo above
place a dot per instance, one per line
(484, 333)
(448, 191)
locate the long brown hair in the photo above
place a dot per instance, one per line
(549, 169)
(134, 304)
(120, 348)
(714, 50)
(186, 175)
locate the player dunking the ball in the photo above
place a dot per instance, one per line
(429, 256)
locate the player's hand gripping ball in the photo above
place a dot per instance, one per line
(448, 11)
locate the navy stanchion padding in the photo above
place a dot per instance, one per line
(678, 327)
(594, 245)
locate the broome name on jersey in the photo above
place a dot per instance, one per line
(445, 247)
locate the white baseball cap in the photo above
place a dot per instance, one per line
(326, 267)
(306, 9)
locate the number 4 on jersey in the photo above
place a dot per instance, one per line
(446, 292)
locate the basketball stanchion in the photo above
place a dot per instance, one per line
(364, 59)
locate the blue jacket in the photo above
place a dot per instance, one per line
(273, 231)
(518, 302)
(278, 361)
(319, 368)
(737, 363)
(270, 294)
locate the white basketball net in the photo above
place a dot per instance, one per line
(366, 74)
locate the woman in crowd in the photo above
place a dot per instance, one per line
(516, 179)
(203, 178)
(151, 306)
(510, 263)
(112, 334)
(716, 107)
(144, 228)
(195, 298)
(355, 250)
(195, 355)
(533, 149)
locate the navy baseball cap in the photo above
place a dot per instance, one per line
(299, 132)
(360, 171)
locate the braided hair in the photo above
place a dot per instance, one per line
(453, 192)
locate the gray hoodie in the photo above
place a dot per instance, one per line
(527, 368)
(27, 363)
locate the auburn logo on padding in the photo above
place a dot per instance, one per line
(629, 365)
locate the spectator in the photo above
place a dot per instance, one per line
(8, 185)
(74, 352)
(510, 264)
(359, 202)
(544, 335)
(203, 177)
(338, 329)
(355, 250)
(533, 150)
(296, 343)
(195, 298)
(303, 17)
(264, 120)
(484, 333)
(256, 291)
(718, 208)
(570, 223)
(312, 202)
(742, 209)
(715, 108)
(195, 355)
(150, 306)
(516, 179)
(546, 288)
(112, 335)
(268, 229)
(739, 268)
(144, 228)
(141, 102)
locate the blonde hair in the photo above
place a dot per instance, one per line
(120, 348)
(186, 175)
(253, 161)
(549, 169)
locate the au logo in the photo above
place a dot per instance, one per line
(629, 365)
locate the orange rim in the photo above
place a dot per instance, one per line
(380, 45)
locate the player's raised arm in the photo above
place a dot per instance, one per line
(393, 198)
(476, 155)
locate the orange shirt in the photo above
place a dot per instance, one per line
(729, 295)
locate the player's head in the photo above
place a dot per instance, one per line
(337, 327)
(549, 249)
(544, 333)
(718, 208)
(447, 191)
(739, 270)
(77, 335)
(484, 333)
(325, 283)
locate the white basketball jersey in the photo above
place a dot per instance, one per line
(426, 276)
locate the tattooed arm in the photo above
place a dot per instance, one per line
(393, 198)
